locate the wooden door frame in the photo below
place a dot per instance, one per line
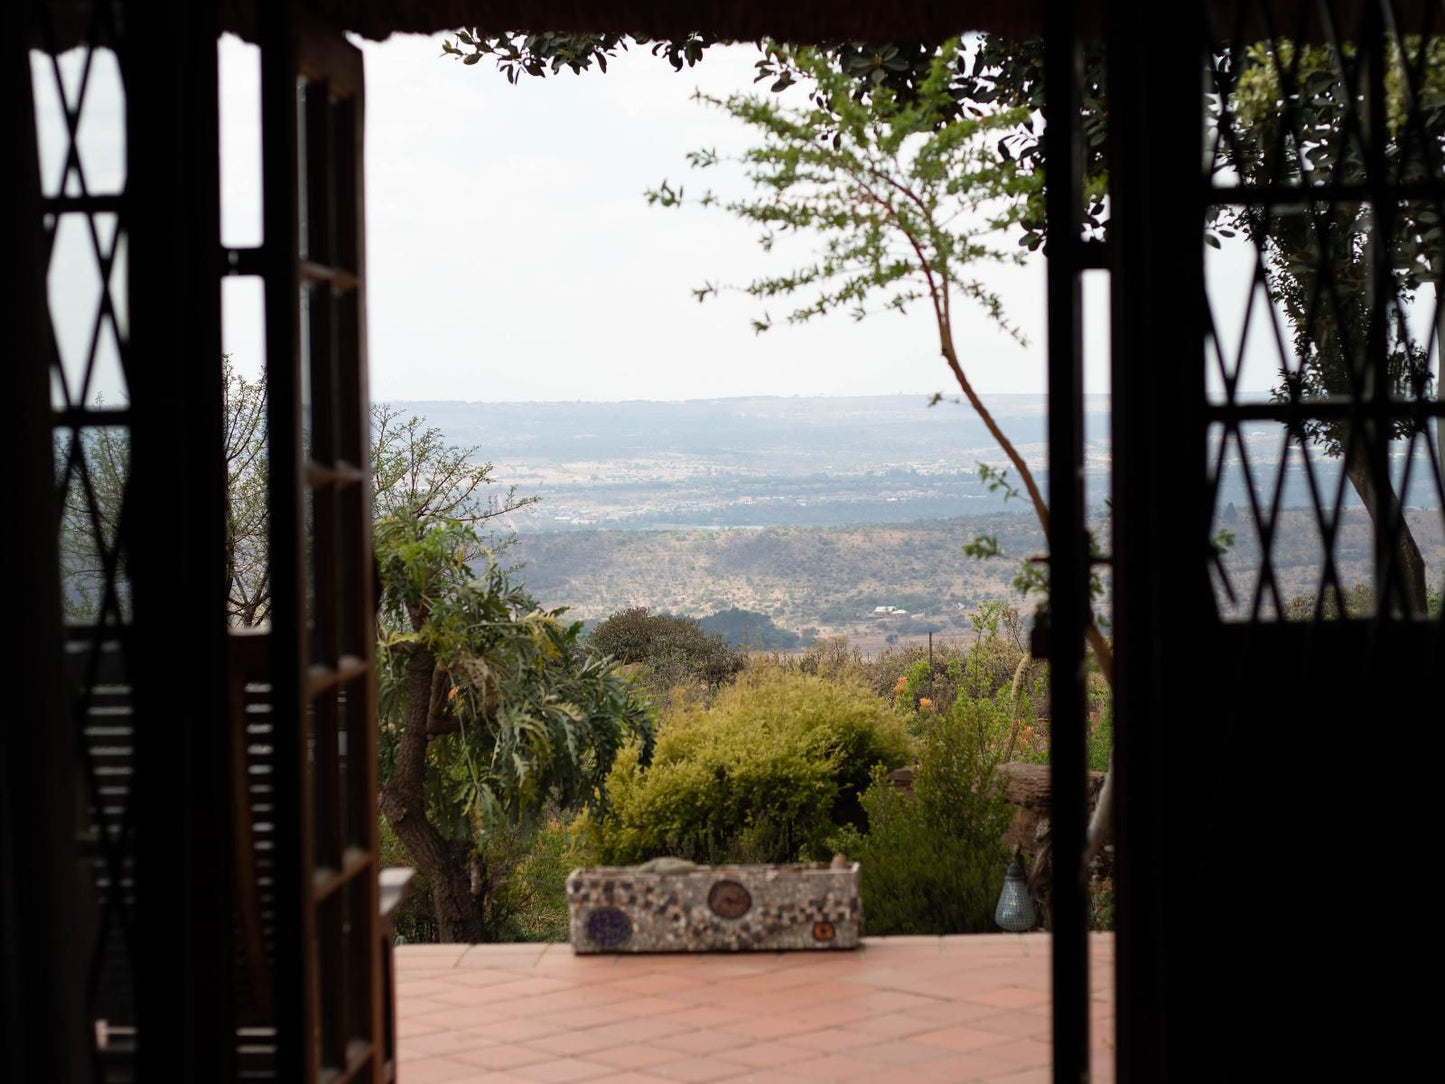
(328, 976)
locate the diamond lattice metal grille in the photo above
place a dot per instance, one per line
(79, 99)
(1323, 213)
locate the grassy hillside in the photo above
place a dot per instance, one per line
(832, 579)
(828, 579)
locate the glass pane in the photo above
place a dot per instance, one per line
(92, 472)
(240, 117)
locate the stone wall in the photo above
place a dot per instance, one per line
(680, 907)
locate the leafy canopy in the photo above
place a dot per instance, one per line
(673, 648)
(902, 195)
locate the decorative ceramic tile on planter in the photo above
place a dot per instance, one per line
(671, 906)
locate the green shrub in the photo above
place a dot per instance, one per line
(526, 898)
(677, 647)
(1359, 602)
(667, 657)
(832, 657)
(979, 666)
(750, 630)
(935, 863)
(767, 773)
(532, 895)
(1101, 904)
(1101, 738)
(414, 919)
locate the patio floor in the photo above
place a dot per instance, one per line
(901, 1008)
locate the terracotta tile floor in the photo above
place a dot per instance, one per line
(899, 1009)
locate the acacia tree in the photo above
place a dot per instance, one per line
(417, 473)
(248, 570)
(91, 513)
(1293, 117)
(905, 196)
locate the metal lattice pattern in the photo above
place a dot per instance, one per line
(1325, 261)
(80, 126)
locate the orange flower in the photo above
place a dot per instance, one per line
(925, 704)
(902, 684)
(452, 693)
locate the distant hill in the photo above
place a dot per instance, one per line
(844, 515)
(808, 580)
(750, 462)
(763, 462)
(871, 582)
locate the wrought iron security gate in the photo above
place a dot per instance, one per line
(330, 1000)
(1206, 656)
(1295, 395)
(197, 898)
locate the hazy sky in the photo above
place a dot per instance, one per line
(511, 254)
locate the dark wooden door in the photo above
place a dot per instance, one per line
(329, 997)
(122, 920)
(1262, 837)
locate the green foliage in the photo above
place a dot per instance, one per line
(538, 55)
(492, 712)
(248, 580)
(983, 547)
(981, 667)
(934, 864)
(896, 67)
(1101, 737)
(1001, 73)
(1306, 90)
(996, 480)
(528, 898)
(92, 464)
(766, 773)
(527, 714)
(1101, 904)
(528, 869)
(749, 629)
(666, 652)
(901, 193)
(1343, 274)
(413, 920)
(417, 474)
(913, 684)
(833, 658)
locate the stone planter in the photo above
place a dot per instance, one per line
(685, 908)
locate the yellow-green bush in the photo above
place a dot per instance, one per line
(766, 773)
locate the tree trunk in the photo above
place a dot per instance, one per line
(458, 892)
(1383, 508)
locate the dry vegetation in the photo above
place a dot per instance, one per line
(830, 579)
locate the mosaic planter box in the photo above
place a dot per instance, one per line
(714, 908)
